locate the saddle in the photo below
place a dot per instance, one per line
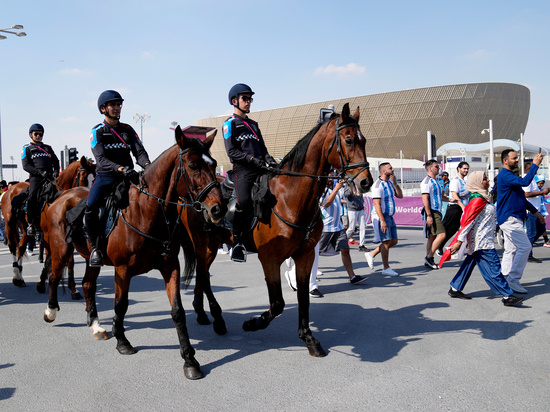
(45, 193)
(108, 214)
(262, 199)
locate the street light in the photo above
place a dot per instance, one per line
(15, 27)
(141, 118)
(491, 151)
(12, 167)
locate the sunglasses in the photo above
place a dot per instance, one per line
(247, 99)
(38, 133)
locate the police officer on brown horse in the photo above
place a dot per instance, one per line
(246, 149)
(40, 161)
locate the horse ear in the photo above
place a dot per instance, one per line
(210, 139)
(355, 115)
(345, 111)
(181, 139)
(83, 162)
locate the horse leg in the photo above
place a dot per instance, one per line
(122, 286)
(272, 271)
(303, 271)
(171, 275)
(46, 270)
(18, 272)
(55, 277)
(89, 287)
(75, 294)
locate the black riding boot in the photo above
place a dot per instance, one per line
(92, 223)
(238, 252)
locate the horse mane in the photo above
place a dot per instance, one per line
(67, 176)
(297, 155)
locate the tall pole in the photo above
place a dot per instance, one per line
(491, 153)
(401, 161)
(141, 118)
(521, 154)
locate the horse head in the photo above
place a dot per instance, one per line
(197, 176)
(86, 171)
(346, 150)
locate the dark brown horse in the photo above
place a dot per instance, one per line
(294, 227)
(76, 174)
(146, 237)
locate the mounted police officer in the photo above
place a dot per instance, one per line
(112, 143)
(246, 149)
(40, 161)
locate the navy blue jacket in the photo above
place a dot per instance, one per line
(38, 157)
(243, 140)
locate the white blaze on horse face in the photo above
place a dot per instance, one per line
(208, 159)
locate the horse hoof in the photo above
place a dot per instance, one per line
(41, 287)
(126, 349)
(102, 336)
(20, 283)
(203, 320)
(316, 351)
(219, 327)
(76, 296)
(48, 319)
(50, 314)
(192, 372)
(250, 325)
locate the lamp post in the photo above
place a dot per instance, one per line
(174, 125)
(16, 33)
(141, 118)
(12, 169)
(491, 151)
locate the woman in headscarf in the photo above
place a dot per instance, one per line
(477, 229)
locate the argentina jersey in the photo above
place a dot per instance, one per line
(431, 187)
(385, 191)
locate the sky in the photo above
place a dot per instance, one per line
(177, 60)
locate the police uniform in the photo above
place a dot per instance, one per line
(37, 158)
(243, 140)
(112, 148)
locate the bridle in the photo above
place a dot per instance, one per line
(195, 196)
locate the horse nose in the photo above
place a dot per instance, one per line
(218, 211)
(365, 185)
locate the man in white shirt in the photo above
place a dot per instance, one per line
(432, 199)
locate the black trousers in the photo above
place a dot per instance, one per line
(451, 222)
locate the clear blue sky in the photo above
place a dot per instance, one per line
(176, 60)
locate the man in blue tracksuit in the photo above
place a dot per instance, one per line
(246, 149)
(40, 161)
(113, 143)
(511, 213)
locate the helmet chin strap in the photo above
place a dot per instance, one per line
(238, 107)
(106, 113)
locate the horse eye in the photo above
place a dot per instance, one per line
(193, 166)
(349, 141)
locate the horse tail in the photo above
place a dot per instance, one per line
(189, 256)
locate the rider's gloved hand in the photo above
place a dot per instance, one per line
(44, 174)
(130, 174)
(271, 161)
(257, 163)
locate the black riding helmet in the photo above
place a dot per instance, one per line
(37, 127)
(239, 88)
(108, 96)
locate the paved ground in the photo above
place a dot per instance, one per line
(394, 344)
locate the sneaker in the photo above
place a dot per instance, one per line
(238, 253)
(516, 287)
(438, 253)
(287, 277)
(222, 251)
(353, 242)
(512, 300)
(315, 293)
(533, 259)
(547, 244)
(429, 263)
(458, 294)
(389, 272)
(319, 273)
(370, 260)
(357, 279)
(363, 248)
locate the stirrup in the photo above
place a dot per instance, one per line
(238, 253)
(96, 258)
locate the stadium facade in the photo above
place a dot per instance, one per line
(399, 121)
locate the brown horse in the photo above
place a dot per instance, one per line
(295, 225)
(76, 174)
(146, 237)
